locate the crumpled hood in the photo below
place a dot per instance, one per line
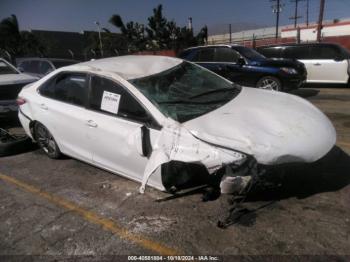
(10, 79)
(274, 127)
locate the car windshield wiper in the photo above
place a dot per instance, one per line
(215, 91)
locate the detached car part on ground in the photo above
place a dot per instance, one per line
(169, 123)
(12, 144)
(11, 83)
(245, 66)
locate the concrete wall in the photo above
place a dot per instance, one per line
(310, 33)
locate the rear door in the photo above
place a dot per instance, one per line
(61, 108)
(116, 117)
(327, 65)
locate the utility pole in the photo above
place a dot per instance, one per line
(99, 36)
(295, 17)
(230, 30)
(276, 9)
(307, 12)
(320, 20)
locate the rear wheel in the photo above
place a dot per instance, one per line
(46, 141)
(269, 83)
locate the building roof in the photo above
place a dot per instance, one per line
(131, 66)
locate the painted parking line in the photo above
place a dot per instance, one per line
(107, 224)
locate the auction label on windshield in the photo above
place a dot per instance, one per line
(110, 102)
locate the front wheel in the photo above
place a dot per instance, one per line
(46, 141)
(269, 83)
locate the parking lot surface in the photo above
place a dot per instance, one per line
(67, 207)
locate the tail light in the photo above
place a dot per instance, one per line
(349, 67)
(20, 101)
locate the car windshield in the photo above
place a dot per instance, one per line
(6, 69)
(186, 91)
(250, 53)
(62, 63)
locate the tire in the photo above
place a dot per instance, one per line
(46, 141)
(269, 83)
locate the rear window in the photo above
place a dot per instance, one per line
(273, 52)
(324, 52)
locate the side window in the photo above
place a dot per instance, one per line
(225, 54)
(206, 55)
(296, 52)
(69, 88)
(45, 68)
(34, 67)
(324, 52)
(274, 52)
(109, 97)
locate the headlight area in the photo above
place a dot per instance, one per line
(235, 179)
(233, 171)
(289, 70)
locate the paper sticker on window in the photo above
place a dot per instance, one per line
(110, 102)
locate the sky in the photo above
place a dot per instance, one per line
(79, 15)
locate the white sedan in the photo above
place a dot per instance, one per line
(166, 122)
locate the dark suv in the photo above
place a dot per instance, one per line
(247, 67)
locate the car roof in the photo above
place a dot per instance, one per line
(44, 59)
(208, 46)
(301, 44)
(130, 66)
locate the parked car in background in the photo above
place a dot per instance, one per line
(11, 83)
(157, 120)
(40, 67)
(325, 63)
(247, 67)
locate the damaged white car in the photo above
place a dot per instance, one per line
(168, 123)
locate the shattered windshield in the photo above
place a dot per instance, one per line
(186, 91)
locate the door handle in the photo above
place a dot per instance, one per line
(317, 64)
(43, 106)
(91, 123)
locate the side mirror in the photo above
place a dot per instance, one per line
(338, 59)
(241, 61)
(143, 142)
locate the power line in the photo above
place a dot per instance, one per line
(296, 17)
(277, 9)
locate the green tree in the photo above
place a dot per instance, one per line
(133, 32)
(16, 42)
(158, 29)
